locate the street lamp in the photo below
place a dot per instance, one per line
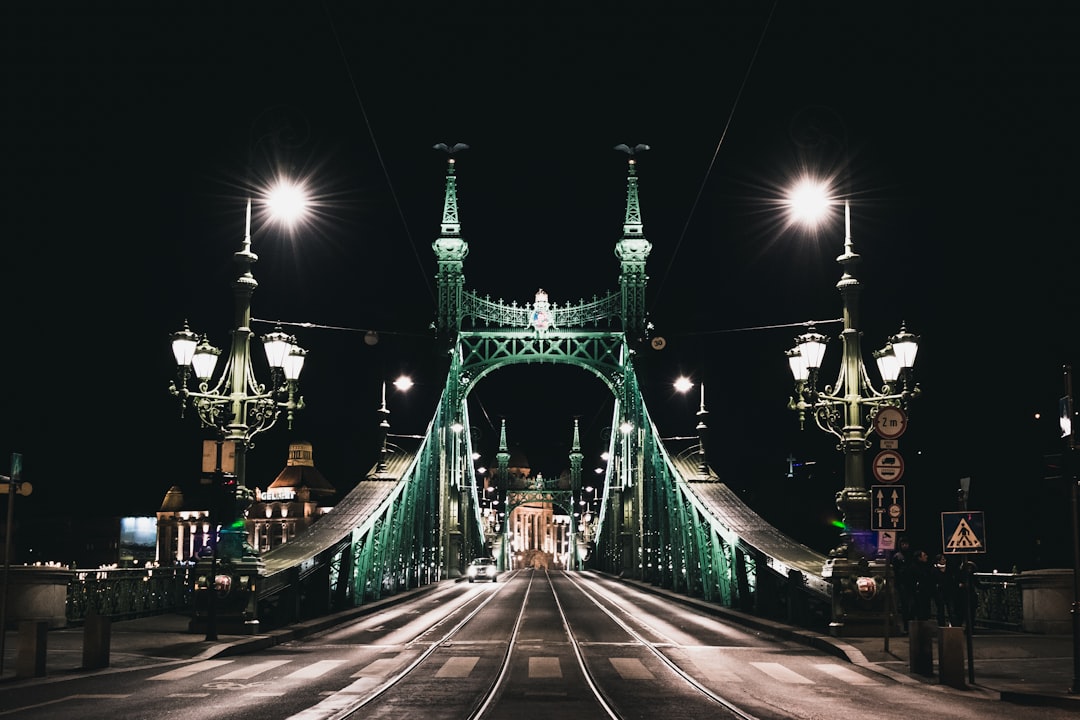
(238, 407)
(403, 383)
(848, 407)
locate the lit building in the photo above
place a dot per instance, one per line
(297, 497)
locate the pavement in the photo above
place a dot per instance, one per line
(1017, 668)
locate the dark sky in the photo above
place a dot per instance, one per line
(131, 129)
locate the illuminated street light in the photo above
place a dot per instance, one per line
(238, 407)
(848, 407)
(402, 383)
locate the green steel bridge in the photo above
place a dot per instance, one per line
(664, 516)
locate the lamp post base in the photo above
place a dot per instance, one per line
(233, 609)
(860, 600)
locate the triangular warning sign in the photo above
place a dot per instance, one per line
(963, 538)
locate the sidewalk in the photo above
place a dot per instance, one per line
(1018, 668)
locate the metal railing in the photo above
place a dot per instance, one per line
(1000, 603)
(128, 593)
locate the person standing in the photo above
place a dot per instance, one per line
(899, 564)
(942, 591)
(921, 581)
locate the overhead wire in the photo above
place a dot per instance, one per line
(716, 153)
(378, 153)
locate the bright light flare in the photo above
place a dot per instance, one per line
(683, 384)
(809, 201)
(287, 201)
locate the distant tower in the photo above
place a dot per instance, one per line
(633, 250)
(576, 457)
(450, 251)
(502, 459)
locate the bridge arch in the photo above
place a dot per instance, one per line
(665, 518)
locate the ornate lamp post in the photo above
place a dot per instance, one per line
(848, 407)
(238, 407)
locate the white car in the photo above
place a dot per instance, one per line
(483, 569)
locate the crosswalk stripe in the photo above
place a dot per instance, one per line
(544, 667)
(379, 668)
(781, 673)
(457, 667)
(188, 670)
(846, 674)
(631, 669)
(314, 670)
(253, 670)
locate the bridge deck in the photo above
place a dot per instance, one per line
(720, 501)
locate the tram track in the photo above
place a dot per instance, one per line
(535, 618)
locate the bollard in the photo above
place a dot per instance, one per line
(921, 647)
(951, 657)
(30, 661)
(97, 634)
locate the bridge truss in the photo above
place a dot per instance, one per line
(665, 517)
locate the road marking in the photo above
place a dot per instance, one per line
(781, 673)
(709, 662)
(314, 670)
(846, 674)
(380, 668)
(544, 667)
(188, 670)
(457, 667)
(631, 669)
(253, 670)
(360, 686)
(65, 699)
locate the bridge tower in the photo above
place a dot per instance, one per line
(662, 516)
(482, 335)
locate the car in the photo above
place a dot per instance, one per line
(483, 569)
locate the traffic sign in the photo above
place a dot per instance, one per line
(890, 422)
(888, 507)
(886, 540)
(963, 532)
(888, 466)
(23, 488)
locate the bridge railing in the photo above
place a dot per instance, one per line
(1000, 601)
(123, 593)
(497, 313)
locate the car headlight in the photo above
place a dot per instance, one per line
(472, 571)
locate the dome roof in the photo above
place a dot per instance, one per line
(174, 500)
(300, 472)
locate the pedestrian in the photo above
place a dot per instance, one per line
(920, 578)
(942, 590)
(965, 596)
(899, 564)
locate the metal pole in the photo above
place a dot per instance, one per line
(888, 598)
(968, 600)
(211, 600)
(1070, 446)
(7, 566)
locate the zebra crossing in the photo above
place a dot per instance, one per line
(228, 674)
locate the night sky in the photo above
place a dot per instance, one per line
(132, 134)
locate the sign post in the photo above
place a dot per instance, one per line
(13, 486)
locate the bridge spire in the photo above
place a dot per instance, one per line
(502, 458)
(450, 251)
(633, 250)
(576, 458)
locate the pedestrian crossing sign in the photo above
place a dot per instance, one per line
(963, 533)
